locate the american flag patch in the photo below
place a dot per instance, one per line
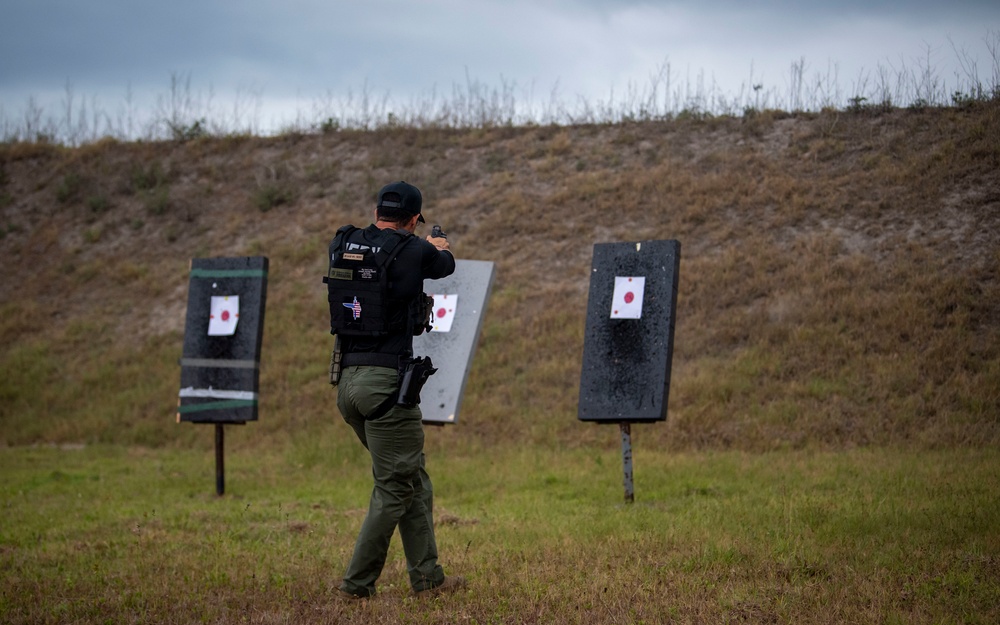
(355, 307)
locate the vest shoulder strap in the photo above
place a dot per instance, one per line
(392, 247)
(342, 234)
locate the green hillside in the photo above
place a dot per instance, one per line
(838, 285)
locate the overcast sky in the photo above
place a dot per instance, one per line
(287, 55)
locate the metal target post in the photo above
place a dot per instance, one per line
(220, 469)
(626, 430)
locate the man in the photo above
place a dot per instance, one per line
(369, 387)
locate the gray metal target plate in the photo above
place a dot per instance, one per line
(629, 339)
(452, 351)
(223, 329)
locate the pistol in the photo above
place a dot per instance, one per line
(414, 374)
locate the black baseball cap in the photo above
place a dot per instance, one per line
(401, 196)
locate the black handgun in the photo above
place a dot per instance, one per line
(436, 232)
(414, 375)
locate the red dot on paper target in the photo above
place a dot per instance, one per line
(225, 315)
(441, 312)
(629, 297)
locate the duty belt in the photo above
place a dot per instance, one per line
(370, 359)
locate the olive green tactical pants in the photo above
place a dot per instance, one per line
(402, 495)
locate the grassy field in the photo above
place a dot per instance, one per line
(830, 453)
(113, 534)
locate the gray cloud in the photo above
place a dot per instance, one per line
(298, 50)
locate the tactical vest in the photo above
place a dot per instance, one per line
(358, 290)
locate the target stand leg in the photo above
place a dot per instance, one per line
(220, 470)
(626, 430)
